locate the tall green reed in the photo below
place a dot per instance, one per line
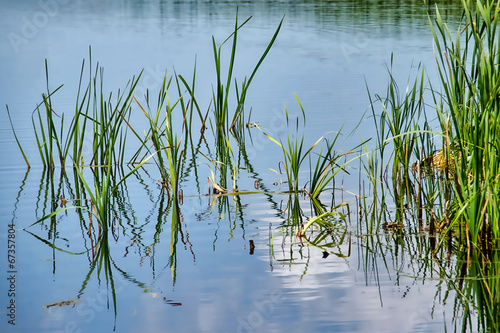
(106, 115)
(17, 140)
(470, 80)
(397, 128)
(328, 165)
(224, 120)
(46, 134)
(293, 150)
(294, 155)
(165, 142)
(405, 169)
(109, 121)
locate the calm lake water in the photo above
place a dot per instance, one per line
(224, 264)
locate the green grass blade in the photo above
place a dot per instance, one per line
(17, 140)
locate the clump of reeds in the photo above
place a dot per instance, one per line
(106, 114)
(454, 187)
(106, 119)
(225, 120)
(294, 153)
(228, 119)
(470, 80)
(326, 165)
(166, 145)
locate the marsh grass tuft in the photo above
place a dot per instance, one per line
(294, 155)
(225, 121)
(293, 151)
(161, 132)
(106, 116)
(229, 121)
(470, 76)
(447, 177)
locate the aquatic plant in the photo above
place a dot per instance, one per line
(224, 121)
(327, 167)
(456, 187)
(109, 131)
(17, 140)
(54, 142)
(46, 133)
(164, 137)
(293, 154)
(469, 73)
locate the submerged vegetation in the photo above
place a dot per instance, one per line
(431, 171)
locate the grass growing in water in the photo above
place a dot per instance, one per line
(107, 123)
(164, 137)
(465, 190)
(467, 110)
(461, 196)
(221, 93)
(294, 155)
(470, 76)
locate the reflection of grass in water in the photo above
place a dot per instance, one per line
(475, 284)
(325, 229)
